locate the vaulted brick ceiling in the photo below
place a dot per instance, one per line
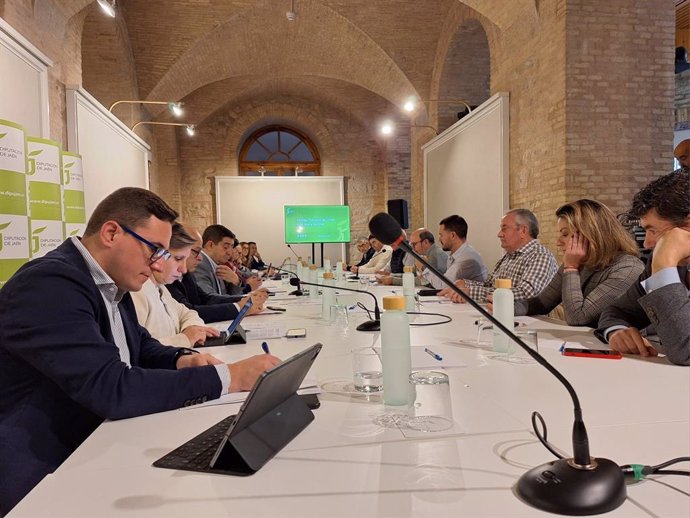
(214, 53)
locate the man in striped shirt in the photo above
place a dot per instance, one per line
(528, 263)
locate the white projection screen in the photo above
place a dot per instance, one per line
(112, 156)
(23, 83)
(252, 207)
(466, 173)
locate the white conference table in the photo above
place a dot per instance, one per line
(636, 410)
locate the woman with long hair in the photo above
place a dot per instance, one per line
(600, 262)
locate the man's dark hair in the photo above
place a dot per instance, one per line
(425, 234)
(669, 195)
(251, 242)
(216, 233)
(681, 54)
(129, 206)
(455, 224)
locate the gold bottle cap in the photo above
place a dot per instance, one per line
(408, 269)
(504, 283)
(393, 302)
(328, 275)
(312, 267)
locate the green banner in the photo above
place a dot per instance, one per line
(75, 212)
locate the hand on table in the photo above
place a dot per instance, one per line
(630, 341)
(196, 360)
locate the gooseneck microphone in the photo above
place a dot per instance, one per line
(298, 292)
(580, 485)
(369, 325)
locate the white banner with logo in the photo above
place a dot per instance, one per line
(14, 221)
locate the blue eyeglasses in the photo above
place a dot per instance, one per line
(158, 252)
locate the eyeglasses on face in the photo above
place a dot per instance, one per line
(158, 252)
(195, 252)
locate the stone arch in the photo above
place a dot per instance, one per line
(365, 171)
(106, 52)
(466, 72)
(237, 48)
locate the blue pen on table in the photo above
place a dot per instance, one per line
(264, 346)
(433, 354)
(562, 347)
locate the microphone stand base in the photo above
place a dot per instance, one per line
(297, 293)
(369, 325)
(559, 488)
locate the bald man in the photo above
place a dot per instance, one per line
(682, 154)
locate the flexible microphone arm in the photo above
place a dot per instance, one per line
(369, 325)
(298, 292)
(291, 250)
(609, 485)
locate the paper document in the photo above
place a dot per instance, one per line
(308, 386)
(261, 333)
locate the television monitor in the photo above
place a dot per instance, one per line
(317, 224)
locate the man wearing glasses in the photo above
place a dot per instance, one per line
(72, 353)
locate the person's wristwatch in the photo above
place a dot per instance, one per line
(183, 351)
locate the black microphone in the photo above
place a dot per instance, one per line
(298, 292)
(295, 253)
(580, 485)
(369, 325)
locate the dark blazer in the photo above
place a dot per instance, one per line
(666, 312)
(61, 374)
(211, 307)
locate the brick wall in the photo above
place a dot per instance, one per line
(620, 86)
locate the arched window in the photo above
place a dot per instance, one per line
(279, 151)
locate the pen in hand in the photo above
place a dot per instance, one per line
(433, 354)
(265, 348)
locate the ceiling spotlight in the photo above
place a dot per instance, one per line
(175, 109)
(291, 14)
(409, 106)
(191, 130)
(387, 128)
(108, 7)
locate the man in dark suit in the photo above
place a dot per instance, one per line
(660, 301)
(366, 250)
(210, 306)
(72, 353)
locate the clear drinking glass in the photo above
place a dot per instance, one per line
(432, 410)
(367, 373)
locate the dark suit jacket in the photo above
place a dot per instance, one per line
(666, 310)
(211, 307)
(366, 256)
(61, 374)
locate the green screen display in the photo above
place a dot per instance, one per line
(317, 224)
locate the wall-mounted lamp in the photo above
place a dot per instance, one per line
(108, 7)
(174, 107)
(388, 127)
(411, 103)
(191, 128)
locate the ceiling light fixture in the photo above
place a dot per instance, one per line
(291, 14)
(174, 107)
(388, 128)
(411, 103)
(108, 7)
(190, 128)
